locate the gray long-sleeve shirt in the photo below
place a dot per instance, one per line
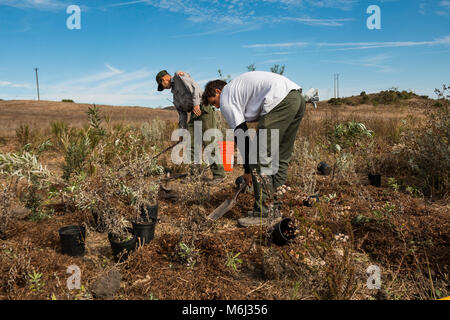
(186, 94)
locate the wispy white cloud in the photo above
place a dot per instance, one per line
(109, 86)
(272, 61)
(319, 22)
(14, 85)
(378, 62)
(444, 8)
(235, 14)
(276, 45)
(35, 4)
(342, 46)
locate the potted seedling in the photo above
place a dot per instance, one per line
(283, 232)
(146, 217)
(121, 238)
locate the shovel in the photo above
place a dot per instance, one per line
(226, 206)
(165, 150)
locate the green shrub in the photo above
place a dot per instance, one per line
(426, 151)
(335, 101)
(67, 100)
(76, 156)
(392, 96)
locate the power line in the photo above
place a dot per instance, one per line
(37, 83)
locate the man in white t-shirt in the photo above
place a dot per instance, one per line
(275, 102)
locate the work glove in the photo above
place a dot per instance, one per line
(312, 96)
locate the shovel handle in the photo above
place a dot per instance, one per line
(165, 150)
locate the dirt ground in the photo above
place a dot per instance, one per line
(410, 244)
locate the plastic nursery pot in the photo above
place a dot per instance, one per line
(283, 233)
(72, 240)
(121, 250)
(145, 232)
(375, 180)
(152, 212)
(311, 200)
(324, 168)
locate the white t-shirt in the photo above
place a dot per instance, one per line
(252, 95)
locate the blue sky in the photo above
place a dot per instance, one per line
(122, 44)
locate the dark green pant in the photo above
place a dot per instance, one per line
(208, 122)
(285, 117)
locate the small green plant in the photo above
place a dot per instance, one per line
(345, 135)
(414, 191)
(152, 297)
(233, 260)
(392, 182)
(35, 281)
(67, 100)
(83, 294)
(385, 212)
(188, 254)
(330, 197)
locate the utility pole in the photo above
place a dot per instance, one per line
(37, 83)
(336, 85)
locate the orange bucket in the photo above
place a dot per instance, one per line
(227, 152)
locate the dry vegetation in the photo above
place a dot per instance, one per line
(62, 170)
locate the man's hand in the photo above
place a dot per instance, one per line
(248, 179)
(180, 139)
(197, 111)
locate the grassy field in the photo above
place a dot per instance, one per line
(73, 165)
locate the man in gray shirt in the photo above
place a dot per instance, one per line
(187, 96)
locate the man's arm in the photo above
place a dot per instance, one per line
(244, 149)
(191, 86)
(182, 115)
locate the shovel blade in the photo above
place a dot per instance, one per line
(226, 206)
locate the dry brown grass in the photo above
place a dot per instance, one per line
(39, 114)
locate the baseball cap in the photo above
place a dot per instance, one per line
(159, 77)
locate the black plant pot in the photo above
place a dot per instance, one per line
(280, 231)
(311, 200)
(145, 232)
(152, 212)
(121, 250)
(375, 180)
(324, 168)
(73, 240)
